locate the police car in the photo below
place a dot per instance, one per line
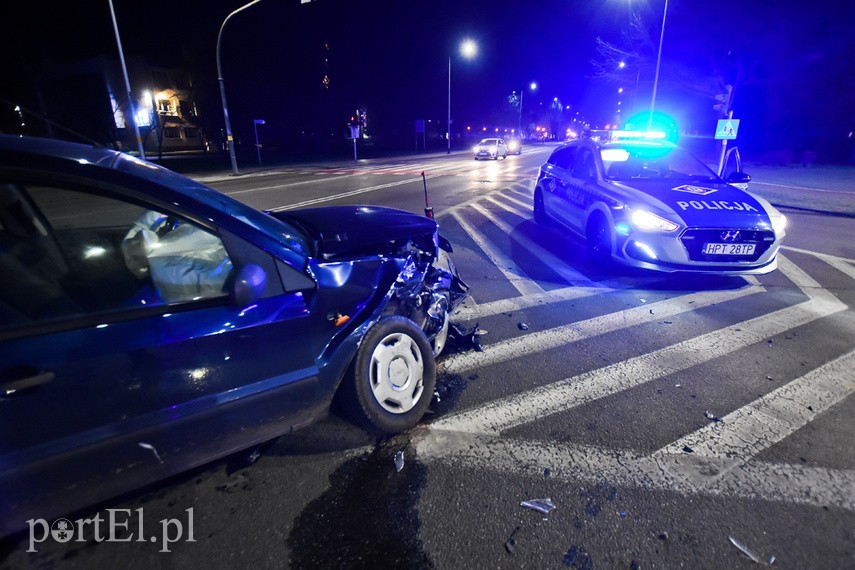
(646, 203)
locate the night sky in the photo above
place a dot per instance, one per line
(792, 62)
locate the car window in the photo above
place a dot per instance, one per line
(563, 157)
(584, 166)
(67, 253)
(642, 162)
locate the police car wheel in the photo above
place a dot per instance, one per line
(539, 210)
(599, 239)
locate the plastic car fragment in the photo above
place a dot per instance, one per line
(541, 505)
(751, 554)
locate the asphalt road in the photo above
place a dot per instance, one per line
(662, 415)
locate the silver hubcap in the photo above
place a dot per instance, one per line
(397, 373)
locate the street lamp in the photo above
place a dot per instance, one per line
(468, 49)
(229, 138)
(656, 75)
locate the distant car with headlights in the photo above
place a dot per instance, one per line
(514, 146)
(150, 324)
(491, 148)
(649, 204)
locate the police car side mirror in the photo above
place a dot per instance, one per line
(738, 178)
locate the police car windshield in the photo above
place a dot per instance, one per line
(628, 162)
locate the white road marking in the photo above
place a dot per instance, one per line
(479, 196)
(683, 474)
(824, 191)
(519, 303)
(290, 184)
(746, 432)
(509, 269)
(842, 264)
(541, 341)
(564, 271)
(350, 193)
(566, 394)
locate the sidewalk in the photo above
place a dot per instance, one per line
(820, 188)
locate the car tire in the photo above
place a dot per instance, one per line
(539, 209)
(391, 381)
(598, 238)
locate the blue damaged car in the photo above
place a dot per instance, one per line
(150, 324)
(649, 204)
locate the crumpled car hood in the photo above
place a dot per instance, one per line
(340, 230)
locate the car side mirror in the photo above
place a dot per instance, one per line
(738, 178)
(247, 285)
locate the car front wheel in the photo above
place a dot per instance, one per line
(599, 238)
(391, 381)
(539, 209)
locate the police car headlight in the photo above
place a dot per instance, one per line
(779, 223)
(644, 220)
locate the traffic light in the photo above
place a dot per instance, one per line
(724, 100)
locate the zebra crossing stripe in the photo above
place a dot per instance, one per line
(573, 463)
(519, 303)
(757, 426)
(542, 341)
(566, 394)
(509, 269)
(839, 263)
(566, 272)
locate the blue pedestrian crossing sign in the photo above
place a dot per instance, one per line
(726, 129)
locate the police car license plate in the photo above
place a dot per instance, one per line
(729, 248)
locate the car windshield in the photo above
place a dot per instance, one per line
(488, 142)
(640, 162)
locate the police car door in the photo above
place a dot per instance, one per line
(582, 183)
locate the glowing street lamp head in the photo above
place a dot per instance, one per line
(468, 48)
(533, 85)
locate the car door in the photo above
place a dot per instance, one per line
(581, 186)
(123, 358)
(556, 186)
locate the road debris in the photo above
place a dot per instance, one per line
(577, 557)
(511, 543)
(710, 416)
(541, 505)
(751, 554)
(399, 461)
(151, 448)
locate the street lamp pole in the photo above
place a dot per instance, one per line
(131, 106)
(658, 61)
(448, 123)
(229, 138)
(467, 49)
